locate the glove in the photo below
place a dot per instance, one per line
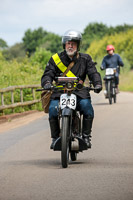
(97, 88)
(47, 86)
(101, 68)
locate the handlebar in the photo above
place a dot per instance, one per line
(67, 83)
(55, 88)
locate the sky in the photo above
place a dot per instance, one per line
(58, 16)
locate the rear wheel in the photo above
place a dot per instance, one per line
(110, 92)
(65, 141)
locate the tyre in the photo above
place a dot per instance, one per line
(109, 92)
(65, 141)
(114, 97)
(73, 156)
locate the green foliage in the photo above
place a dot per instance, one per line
(40, 38)
(1, 56)
(3, 44)
(18, 69)
(33, 39)
(123, 43)
(119, 28)
(41, 57)
(126, 81)
(52, 43)
(19, 73)
(16, 51)
(96, 31)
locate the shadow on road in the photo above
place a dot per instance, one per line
(101, 104)
(46, 163)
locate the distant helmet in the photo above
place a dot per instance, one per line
(110, 47)
(72, 35)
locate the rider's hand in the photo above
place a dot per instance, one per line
(81, 82)
(47, 86)
(97, 88)
(101, 68)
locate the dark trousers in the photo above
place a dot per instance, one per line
(83, 105)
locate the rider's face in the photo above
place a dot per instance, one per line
(71, 48)
(110, 52)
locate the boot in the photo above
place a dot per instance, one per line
(87, 126)
(117, 89)
(55, 130)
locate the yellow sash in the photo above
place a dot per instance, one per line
(61, 66)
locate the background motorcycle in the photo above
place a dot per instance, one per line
(110, 85)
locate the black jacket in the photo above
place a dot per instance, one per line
(83, 66)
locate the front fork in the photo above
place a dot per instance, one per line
(66, 112)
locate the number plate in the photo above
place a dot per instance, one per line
(109, 71)
(68, 101)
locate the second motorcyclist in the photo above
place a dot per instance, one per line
(112, 60)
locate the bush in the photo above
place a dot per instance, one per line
(41, 57)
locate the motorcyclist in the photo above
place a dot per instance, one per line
(112, 60)
(83, 65)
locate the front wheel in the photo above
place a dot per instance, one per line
(65, 141)
(114, 96)
(110, 92)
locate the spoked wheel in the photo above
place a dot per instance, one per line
(109, 92)
(73, 155)
(114, 97)
(65, 142)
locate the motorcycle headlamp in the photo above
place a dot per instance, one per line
(69, 85)
(79, 86)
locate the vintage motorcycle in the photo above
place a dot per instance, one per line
(110, 86)
(70, 141)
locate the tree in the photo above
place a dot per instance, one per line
(119, 28)
(123, 43)
(3, 44)
(52, 42)
(33, 39)
(94, 31)
(16, 51)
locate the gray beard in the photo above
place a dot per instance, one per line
(71, 53)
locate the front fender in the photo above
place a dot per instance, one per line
(106, 78)
(66, 111)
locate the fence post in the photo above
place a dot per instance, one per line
(33, 93)
(2, 99)
(12, 97)
(21, 95)
(2, 102)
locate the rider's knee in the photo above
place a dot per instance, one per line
(52, 113)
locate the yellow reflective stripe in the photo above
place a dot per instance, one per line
(61, 66)
(70, 74)
(58, 62)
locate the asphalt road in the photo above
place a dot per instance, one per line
(29, 170)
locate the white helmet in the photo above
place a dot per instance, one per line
(72, 35)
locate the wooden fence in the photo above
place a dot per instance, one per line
(21, 103)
